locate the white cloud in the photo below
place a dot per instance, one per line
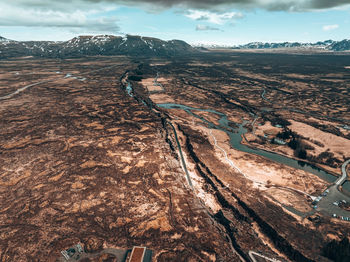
(330, 27)
(222, 5)
(84, 20)
(206, 28)
(211, 17)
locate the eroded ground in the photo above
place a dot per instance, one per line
(83, 160)
(294, 105)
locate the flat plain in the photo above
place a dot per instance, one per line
(210, 157)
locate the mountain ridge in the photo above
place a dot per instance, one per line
(95, 45)
(3, 39)
(327, 45)
(133, 45)
(331, 45)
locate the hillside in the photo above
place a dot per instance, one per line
(330, 45)
(95, 45)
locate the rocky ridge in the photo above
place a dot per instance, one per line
(95, 45)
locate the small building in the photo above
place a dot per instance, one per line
(140, 254)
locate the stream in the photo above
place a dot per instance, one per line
(236, 134)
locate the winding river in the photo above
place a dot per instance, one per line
(236, 134)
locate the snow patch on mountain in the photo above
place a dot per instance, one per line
(98, 45)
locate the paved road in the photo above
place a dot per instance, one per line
(344, 176)
(24, 88)
(327, 203)
(181, 156)
(252, 255)
(51, 80)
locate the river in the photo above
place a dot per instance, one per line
(236, 134)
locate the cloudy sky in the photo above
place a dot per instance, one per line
(209, 21)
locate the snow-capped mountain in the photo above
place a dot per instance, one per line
(343, 45)
(137, 46)
(330, 45)
(211, 45)
(97, 45)
(4, 40)
(325, 45)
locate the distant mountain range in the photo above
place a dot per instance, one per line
(137, 46)
(95, 45)
(330, 45)
(3, 40)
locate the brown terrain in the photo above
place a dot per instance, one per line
(84, 160)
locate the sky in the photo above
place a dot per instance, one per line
(221, 22)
